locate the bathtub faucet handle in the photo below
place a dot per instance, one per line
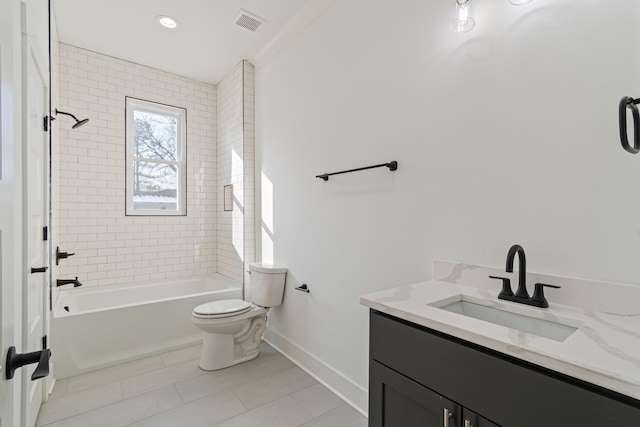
(62, 282)
(62, 255)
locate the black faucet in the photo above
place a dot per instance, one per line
(61, 282)
(521, 295)
(522, 271)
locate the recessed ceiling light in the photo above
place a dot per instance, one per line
(167, 21)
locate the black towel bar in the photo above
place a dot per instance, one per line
(629, 103)
(393, 165)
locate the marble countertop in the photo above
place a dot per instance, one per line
(605, 350)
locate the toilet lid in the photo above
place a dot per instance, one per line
(225, 307)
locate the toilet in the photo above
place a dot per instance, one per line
(233, 328)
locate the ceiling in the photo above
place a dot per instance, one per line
(206, 45)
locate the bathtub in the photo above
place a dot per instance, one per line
(97, 327)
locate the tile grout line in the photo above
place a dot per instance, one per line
(111, 382)
(61, 420)
(326, 414)
(161, 412)
(241, 403)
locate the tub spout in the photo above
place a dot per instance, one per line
(75, 282)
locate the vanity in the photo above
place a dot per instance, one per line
(444, 353)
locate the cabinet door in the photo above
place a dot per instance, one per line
(397, 401)
(471, 419)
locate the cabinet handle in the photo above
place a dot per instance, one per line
(467, 423)
(447, 416)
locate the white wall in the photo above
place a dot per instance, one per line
(507, 134)
(111, 247)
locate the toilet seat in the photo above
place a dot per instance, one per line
(223, 308)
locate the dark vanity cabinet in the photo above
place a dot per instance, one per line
(400, 401)
(420, 377)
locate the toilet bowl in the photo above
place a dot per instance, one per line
(233, 328)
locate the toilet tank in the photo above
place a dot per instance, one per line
(267, 284)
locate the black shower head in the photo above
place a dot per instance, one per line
(78, 122)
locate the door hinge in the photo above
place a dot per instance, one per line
(45, 123)
(44, 342)
(45, 233)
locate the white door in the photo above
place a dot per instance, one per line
(35, 184)
(10, 204)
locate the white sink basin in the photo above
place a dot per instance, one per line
(547, 325)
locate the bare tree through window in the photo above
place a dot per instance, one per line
(155, 157)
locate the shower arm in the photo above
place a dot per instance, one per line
(66, 114)
(78, 122)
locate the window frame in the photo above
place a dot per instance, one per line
(136, 104)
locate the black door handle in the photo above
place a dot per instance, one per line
(39, 270)
(16, 360)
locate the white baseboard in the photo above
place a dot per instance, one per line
(354, 395)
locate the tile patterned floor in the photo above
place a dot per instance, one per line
(170, 390)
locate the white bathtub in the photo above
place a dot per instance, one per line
(96, 327)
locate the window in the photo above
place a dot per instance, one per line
(156, 137)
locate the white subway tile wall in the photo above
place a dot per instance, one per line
(236, 165)
(54, 229)
(111, 247)
(249, 172)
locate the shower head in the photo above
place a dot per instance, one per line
(78, 122)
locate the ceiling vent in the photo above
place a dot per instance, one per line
(249, 21)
